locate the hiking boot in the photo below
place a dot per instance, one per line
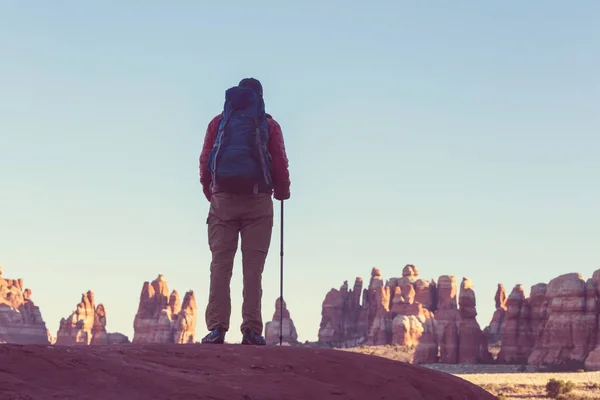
(252, 338)
(216, 336)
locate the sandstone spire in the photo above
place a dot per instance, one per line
(21, 321)
(161, 318)
(272, 328)
(87, 325)
(495, 328)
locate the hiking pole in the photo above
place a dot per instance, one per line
(281, 280)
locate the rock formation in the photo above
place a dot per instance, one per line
(214, 372)
(161, 318)
(51, 337)
(473, 346)
(539, 306)
(446, 317)
(272, 328)
(413, 324)
(21, 321)
(376, 303)
(87, 325)
(495, 327)
(558, 324)
(340, 316)
(517, 334)
(185, 321)
(592, 362)
(408, 311)
(568, 333)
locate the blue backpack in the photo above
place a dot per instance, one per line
(239, 161)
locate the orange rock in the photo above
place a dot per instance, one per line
(407, 311)
(446, 316)
(569, 331)
(495, 327)
(472, 347)
(86, 325)
(272, 328)
(341, 316)
(539, 306)
(185, 321)
(592, 361)
(21, 321)
(517, 334)
(161, 318)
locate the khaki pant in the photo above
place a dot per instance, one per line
(230, 216)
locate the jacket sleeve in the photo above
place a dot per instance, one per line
(209, 141)
(279, 162)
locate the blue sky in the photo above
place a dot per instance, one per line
(461, 137)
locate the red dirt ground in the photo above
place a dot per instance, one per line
(231, 372)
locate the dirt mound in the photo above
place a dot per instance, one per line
(231, 372)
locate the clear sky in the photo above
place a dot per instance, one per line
(462, 137)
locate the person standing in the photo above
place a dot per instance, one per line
(243, 164)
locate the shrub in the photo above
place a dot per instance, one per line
(592, 386)
(568, 366)
(555, 388)
(501, 397)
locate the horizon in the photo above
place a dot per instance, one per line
(461, 138)
(130, 334)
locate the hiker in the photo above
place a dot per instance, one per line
(243, 163)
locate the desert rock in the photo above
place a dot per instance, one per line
(161, 318)
(341, 316)
(472, 346)
(162, 371)
(408, 311)
(539, 306)
(77, 328)
(414, 326)
(288, 330)
(446, 317)
(495, 327)
(21, 321)
(592, 362)
(378, 306)
(517, 334)
(185, 322)
(569, 331)
(86, 325)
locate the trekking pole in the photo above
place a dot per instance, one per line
(281, 281)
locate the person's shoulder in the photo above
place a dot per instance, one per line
(214, 123)
(216, 118)
(273, 122)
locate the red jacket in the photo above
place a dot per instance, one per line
(276, 147)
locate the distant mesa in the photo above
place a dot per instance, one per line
(87, 326)
(21, 321)
(162, 318)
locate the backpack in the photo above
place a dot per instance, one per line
(239, 161)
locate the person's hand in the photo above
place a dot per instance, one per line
(282, 196)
